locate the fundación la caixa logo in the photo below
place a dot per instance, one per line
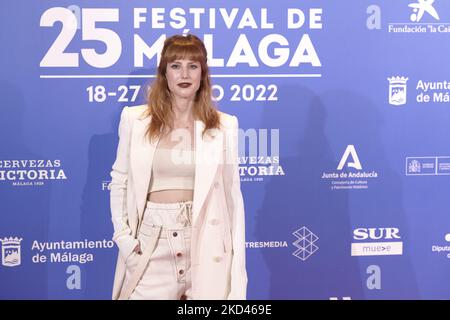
(421, 17)
(397, 90)
(376, 242)
(11, 251)
(420, 8)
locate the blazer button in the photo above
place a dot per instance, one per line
(217, 259)
(174, 234)
(214, 222)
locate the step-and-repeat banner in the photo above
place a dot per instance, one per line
(344, 111)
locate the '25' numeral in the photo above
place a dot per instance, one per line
(56, 55)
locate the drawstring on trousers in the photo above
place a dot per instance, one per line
(185, 215)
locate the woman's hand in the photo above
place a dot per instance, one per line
(137, 249)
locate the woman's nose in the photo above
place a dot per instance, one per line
(185, 72)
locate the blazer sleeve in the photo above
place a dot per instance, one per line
(235, 205)
(118, 190)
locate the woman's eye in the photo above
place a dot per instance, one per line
(194, 66)
(174, 66)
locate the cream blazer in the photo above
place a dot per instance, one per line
(218, 235)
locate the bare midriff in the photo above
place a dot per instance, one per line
(168, 196)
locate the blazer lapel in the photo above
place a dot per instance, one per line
(141, 155)
(208, 153)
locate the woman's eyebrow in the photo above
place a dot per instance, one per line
(188, 61)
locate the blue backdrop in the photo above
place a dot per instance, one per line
(344, 112)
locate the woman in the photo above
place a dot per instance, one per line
(176, 203)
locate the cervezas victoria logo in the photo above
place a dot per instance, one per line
(31, 172)
(259, 155)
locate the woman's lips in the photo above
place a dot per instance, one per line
(184, 84)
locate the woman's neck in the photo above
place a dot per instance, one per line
(183, 110)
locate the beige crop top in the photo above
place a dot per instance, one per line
(172, 169)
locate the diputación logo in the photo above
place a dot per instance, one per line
(442, 248)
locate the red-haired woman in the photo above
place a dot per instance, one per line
(176, 202)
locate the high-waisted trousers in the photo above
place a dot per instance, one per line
(163, 269)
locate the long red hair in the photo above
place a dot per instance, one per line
(159, 98)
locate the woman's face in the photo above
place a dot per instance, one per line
(183, 78)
